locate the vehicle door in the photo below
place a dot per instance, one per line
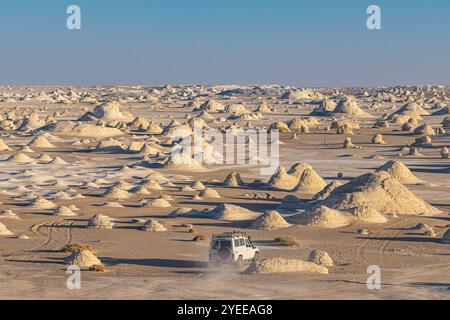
(237, 248)
(249, 249)
(243, 248)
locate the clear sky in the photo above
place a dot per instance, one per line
(289, 42)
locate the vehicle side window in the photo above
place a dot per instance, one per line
(242, 241)
(236, 243)
(225, 244)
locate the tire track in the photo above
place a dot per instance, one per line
(374, 244)
(69, 235)
(49, 238)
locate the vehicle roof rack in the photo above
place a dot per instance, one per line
(230, 234)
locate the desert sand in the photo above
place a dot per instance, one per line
(363, 179)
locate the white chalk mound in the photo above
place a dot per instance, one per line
(109, 111)
(282, 180)
(271, 220)
(182, 161)
(369, 215)
(411, 109)
(64, 211)
(323, 217)
(348, 106)
(41, 203)
(230, 212)
(153, 225)
(8, 214)
(297, 169)
(4, 231)
(321, 258)
(209, 193)
(381, 192)
(310, 182)
(282, 265)
(399, 171)
(4, 146)
(158, 203)
(100, 221)
(325, 192)
(233, 180)
(116, 193)
(83, 130)
(40, 142)
(212, 106)
(19, 158)
(198, 186)
(83, 259)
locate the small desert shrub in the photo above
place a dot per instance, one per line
(97, 268)
(287, 241)
(77, 246)
(199, 238)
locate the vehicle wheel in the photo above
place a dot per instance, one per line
(239, 261)
(224, 253)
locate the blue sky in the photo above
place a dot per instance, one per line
(289, 42)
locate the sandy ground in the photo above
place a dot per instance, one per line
(169, 265)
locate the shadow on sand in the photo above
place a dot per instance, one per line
(163, 263)
(405, 239)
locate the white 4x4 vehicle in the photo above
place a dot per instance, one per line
(232, 247)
